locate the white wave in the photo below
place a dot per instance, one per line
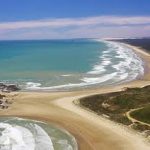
(65, 86)
(106, 52)
(121, 77)
(32, 84)
(97, 69)
(66, 75)
(16, 137)
(43, 141)
(100, 79)
(104, 56)
(119, 62)
(130, 62)
(87, 81)
(90, 80)
(106, 62)
(127, 68)
(100, 68)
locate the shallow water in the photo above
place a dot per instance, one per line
(23, 134)
(67, 64)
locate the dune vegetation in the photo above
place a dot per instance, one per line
(115, 106)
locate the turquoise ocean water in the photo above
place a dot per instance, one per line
(67, 64)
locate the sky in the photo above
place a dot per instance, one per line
(64, 19)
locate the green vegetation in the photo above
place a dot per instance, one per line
(142, 114)
(116, 104)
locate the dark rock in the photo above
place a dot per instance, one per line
(2, 86)
(12, 87)
(1, 101)
(2, 96)
(8, 88)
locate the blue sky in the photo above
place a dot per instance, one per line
(35, 19)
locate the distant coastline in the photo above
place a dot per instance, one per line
(100, 63)
(143, 43)
(141, 51)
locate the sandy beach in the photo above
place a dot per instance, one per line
(92, 132)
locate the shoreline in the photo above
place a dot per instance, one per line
(144, 55)
(125, 73)
(91, 131)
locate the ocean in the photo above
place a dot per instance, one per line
(67, 64)
(25, 134)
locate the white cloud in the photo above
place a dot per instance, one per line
(100, 26)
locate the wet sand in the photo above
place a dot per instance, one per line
(92, 132)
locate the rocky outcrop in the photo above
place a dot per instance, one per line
(8, 87)
(12, 87)
(2, 86)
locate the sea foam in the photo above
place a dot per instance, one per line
(15, 137)
(116, 64)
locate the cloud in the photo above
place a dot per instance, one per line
(100, 26)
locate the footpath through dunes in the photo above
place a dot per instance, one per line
(91, 131)
(131, 114)
(104, 134)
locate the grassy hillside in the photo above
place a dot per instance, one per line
(116, 104)
(142, 114)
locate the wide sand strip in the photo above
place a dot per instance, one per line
(91, 131)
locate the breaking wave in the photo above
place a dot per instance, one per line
(20, 138)
(22, 134)
(116, 64)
